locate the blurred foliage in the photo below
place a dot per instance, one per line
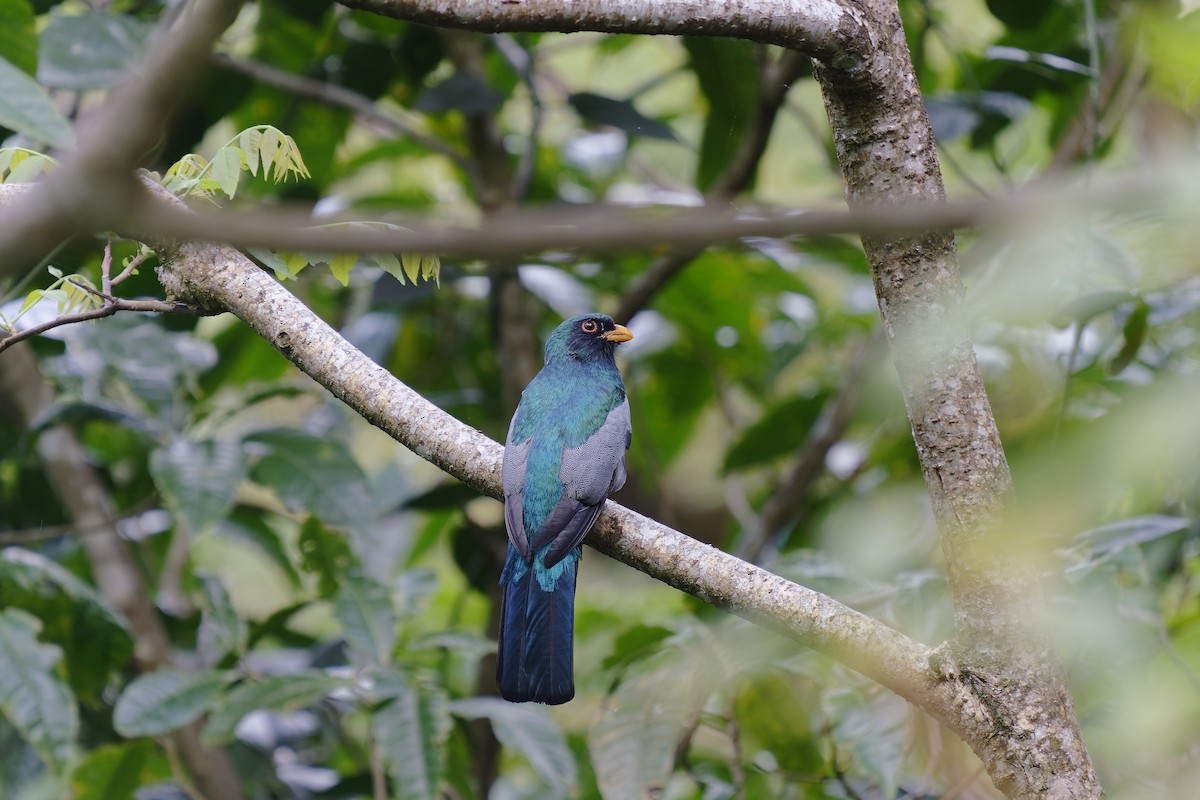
(333, 608)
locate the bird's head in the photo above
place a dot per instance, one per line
(587, 337)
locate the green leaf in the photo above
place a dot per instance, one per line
(364, 608)
(773, 717)
(314, 474)
(635, 644)
(600, 110)
(117, 771)
(222, 631)
(226, 168)
(531, 732)
(90, 50)
(324, 553)
(22, 165)
(341, 265)
(250, 141)
(32, 698)
(781, 430)
(95, 639)
(164, 701)
(1133, 334)
(411, 728)
(276, 693)
(25, 108)
(18, 41)
(728, 73)
(247, 525)
(199, 478)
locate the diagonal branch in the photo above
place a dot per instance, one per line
(217, 276)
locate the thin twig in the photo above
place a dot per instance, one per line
(178, 772)
(791, 494)
(131, 267)
(777, 79)
(521, 60)
(111, 306)
(98, 526)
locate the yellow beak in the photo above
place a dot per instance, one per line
(618, 334)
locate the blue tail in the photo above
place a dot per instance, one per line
(537, 623)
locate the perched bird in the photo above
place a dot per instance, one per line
(565, 453)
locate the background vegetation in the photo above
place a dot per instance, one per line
(329, 599)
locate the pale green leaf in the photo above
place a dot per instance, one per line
(341, 265)
(389, 264)
(32, 698)
(249, 141)
(269, 145)
(226, 169)
(164, 701)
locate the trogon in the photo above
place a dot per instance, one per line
(565, 453)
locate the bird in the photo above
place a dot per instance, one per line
(564, 455)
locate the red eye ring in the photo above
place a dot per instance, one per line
(589, 326)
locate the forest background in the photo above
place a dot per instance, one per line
(219, 581)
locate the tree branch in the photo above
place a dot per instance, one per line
(832, 31)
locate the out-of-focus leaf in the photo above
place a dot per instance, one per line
(222, 630)
(18, 42)
(245, 524)
(313, 474)
(459, 92)
(325, 553)
(411, 726)
(1133, 334)
(32, 698)
(364, 608)
(728, 73)
(780, 431)
(529, 731)
(1108, 540)
(276, 693)
(871, 729)
(620, 114)
(633, 745)
(117, 771)
(451, 494)
(1020, 13)
(200, 478)
(635, 644)
(89, 50)
(773, 717)
(95, 639)
(25, 108)
(166, 700)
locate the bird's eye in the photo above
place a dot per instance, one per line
(589, 326)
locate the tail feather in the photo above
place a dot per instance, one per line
(537, 624)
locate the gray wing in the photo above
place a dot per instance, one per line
(589, 473)
(512, 478)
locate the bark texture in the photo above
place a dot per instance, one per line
(1029, 737)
